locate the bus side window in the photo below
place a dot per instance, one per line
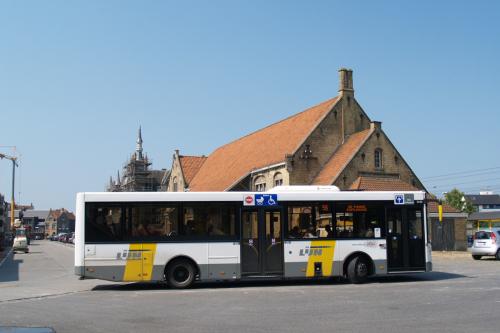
(359, 220)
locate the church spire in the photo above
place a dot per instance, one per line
(138, 146)
(118, 180)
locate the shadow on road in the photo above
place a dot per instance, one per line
(136, 286)
(432, 276)
(9, 271)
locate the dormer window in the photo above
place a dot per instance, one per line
(378, 159)
(260, 184)
(175, 184)
(278, 179)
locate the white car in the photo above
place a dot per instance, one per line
(20, 241)
(486, 243)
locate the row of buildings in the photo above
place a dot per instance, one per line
(41, 222)
(332, 143)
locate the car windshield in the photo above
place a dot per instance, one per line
(483, 235)
(20, 232)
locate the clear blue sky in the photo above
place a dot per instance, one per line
(78, 77)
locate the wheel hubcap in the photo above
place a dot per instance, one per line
(362, 269)
(181, 274)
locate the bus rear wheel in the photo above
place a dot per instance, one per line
(358, 270)
(180, 274)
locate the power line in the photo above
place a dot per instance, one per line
(461, 173)
(469, 188)
(470, 181)
(464, 176)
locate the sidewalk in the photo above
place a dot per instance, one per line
(3, 253)
(451, 254)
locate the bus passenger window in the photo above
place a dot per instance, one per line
(359, 220)
(210, 221)
(311, 221)
(152, 222)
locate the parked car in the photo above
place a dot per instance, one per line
(60, 236)
(71, 238)
(20, 241)
(486, 243)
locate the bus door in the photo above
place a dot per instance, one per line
(261, 242)
(405, 239)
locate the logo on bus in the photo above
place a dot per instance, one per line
(312, 251)
(126, 254)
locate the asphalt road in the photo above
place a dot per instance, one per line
(39, 289)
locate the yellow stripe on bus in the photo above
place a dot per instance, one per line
(321, 251)
(140, 260)
(148, 257)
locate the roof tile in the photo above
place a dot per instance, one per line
(381, 184)
(190, 166)
(230, 163)
(341, 157)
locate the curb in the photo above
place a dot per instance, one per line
(7, 254)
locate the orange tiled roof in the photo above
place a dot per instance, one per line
(381, 184)
(341, 157)
(230, 163)
(432, 207)
(190, 166)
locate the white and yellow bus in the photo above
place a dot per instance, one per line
(288, 232)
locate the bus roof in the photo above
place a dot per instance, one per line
(302, 195)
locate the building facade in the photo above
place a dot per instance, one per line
(58, 221)
(137, 175)
(332, 143)
(4, 221)
(184, 168)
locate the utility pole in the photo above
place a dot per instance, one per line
(12, 204)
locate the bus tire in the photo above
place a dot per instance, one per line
(358, 270)
(180, 274)
(476, 257)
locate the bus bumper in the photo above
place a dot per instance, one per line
(79, 270)
(428, 266)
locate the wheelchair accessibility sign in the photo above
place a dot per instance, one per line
(264, 200)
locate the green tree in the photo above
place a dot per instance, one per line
(456, 199)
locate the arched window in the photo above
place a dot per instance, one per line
(278, 179)
(175, 184)
(378, 158)
(260, 184)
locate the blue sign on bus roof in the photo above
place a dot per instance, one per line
(266, 199)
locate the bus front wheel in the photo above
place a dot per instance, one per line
(180, 274)
(357, 270)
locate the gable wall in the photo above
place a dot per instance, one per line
(390, 166)
(325, 140)
(176, 173)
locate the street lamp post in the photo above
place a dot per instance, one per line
(12, 205)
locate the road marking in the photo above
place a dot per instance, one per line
(6, 256)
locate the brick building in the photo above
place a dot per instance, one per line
(184, 168)
(332, 143)
(451, 233)
(59, 220)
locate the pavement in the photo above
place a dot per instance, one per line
(5, 251)
(461, 295)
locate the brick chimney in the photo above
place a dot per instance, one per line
(345, 82)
